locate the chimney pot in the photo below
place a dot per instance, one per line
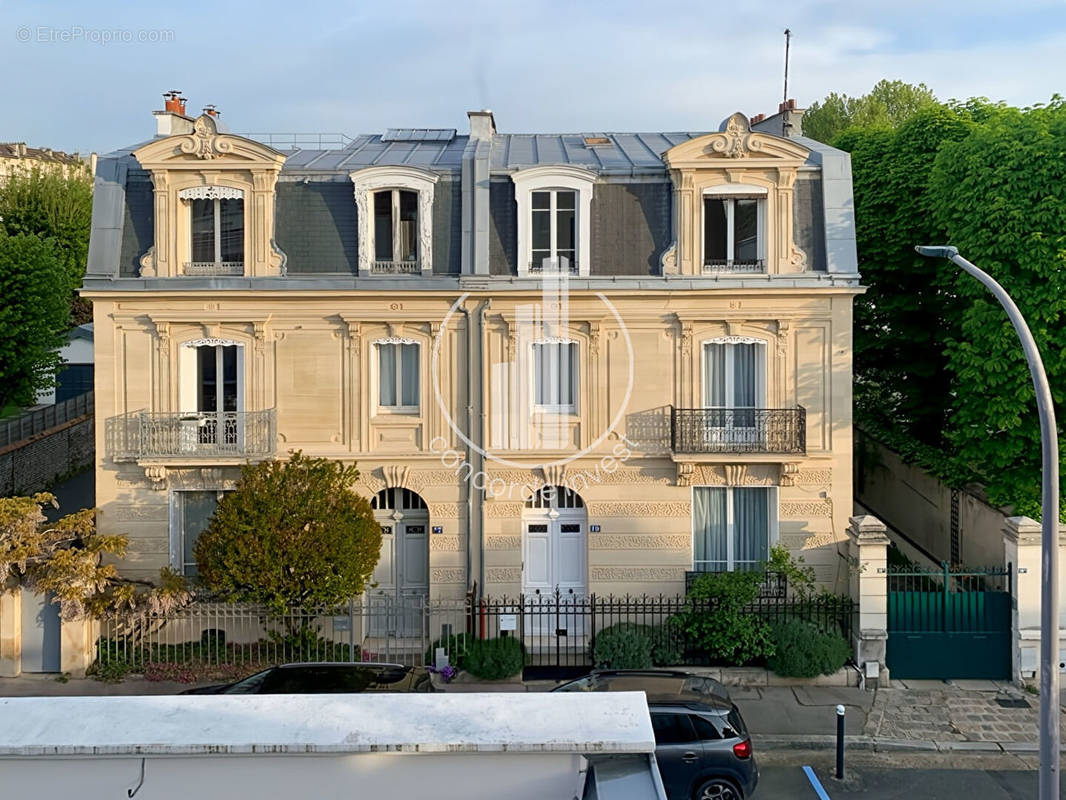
(211, 111)
(791, 104)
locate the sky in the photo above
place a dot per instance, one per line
(85, 76)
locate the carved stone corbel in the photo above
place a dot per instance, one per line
(788, 474)
(554, 474)
(735, 474)
(685, 473)
(157, 475)
(396, 476)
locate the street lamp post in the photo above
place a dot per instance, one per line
(1049, 596)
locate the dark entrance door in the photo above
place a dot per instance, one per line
(954, 622)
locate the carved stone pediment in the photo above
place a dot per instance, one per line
(734, 143)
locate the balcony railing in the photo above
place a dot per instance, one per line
(553, 266)
(395, 268)
(214, 267)
(729, 265)
(738, 430)
(145, 434)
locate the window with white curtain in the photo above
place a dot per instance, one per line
(398, 380)
(734, 382)
(555, 376)
(732, 528)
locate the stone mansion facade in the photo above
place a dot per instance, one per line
(585, 362)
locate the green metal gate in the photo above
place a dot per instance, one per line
(954, 622)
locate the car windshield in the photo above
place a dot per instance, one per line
(251, 684)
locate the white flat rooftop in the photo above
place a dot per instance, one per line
(568, 722)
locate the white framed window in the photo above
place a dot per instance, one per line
(733, 528)
(555, 381)
(211, 396)
(395, 208)
(734, 390)
(734, 238)
(554, 231)
(191, 512)
(216, 230)
(554, 219)
(398, 376)
(395, 231)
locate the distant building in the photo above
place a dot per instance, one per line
(16, 156)
(76, 375)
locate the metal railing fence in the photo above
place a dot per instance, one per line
(738, 430)
(146, 434)
(39, 420)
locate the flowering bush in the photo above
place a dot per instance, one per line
(446, 672)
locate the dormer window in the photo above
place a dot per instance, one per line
(733, 238)
(216, 230)
(395, 208)
(554, 220)
(395, 231)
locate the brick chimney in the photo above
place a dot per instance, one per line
(211, 110)
(787, 122)
(172, 119)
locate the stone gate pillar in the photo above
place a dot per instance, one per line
(868, 556)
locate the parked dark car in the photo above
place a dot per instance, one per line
(327, 678)
(701, 743)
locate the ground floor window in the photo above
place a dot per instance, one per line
(732, 528)
(192, 511)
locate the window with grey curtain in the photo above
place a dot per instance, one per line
(710, 545)
(555, 374)
(731, 528)
(398, 380)
(197, 508)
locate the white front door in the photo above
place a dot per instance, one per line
(402, 572)
(553, 555)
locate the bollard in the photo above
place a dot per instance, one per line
(840, 743)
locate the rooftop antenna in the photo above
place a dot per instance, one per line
(788, 39)
(786, 121)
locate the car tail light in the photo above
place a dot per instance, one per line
(742, 749)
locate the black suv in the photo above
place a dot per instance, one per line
(701, 743)
(327, 678)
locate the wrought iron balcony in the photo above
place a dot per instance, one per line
(395, 268)
(214, 267)
(729, 265)
(738, 430)
(149, 435)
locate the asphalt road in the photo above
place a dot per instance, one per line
(781, 782)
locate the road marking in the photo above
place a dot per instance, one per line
(815, 783)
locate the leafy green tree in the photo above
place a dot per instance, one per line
(54, 205)
(34, 314)
(903, 321)
(66, 559)
(999, 194)
(888, 104)
(293, 534)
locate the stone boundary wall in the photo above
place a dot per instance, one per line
(32, 465)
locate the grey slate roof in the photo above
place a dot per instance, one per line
(626, 152)
(372, 151)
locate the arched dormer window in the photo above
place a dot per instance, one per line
(554, 219)
(395, 207)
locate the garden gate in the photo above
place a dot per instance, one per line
(952, 622)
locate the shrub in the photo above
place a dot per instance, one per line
(667, 644)
(623, 646)
(456, 646)
(718, 623)
(494, 659)
(292, 534)
(110, 671)
(804, 649)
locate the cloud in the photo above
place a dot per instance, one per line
(550, 65)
